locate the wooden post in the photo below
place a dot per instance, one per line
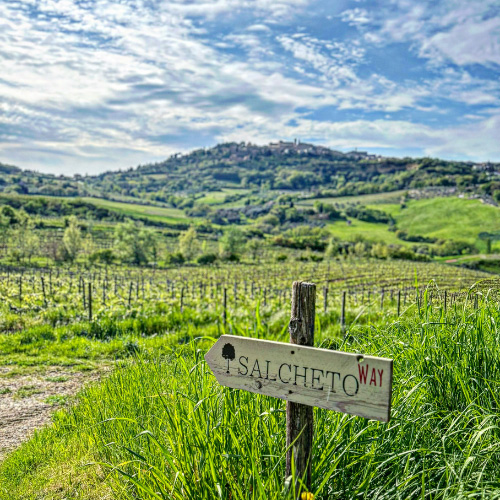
(342, 312)
(90, 300)
(445, 299)
(43, 292)
(325, 299)
(399, 302)
(224, 312)
(299, 417)
(130, 293)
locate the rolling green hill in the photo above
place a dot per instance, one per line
(286, 167)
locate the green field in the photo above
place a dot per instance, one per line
(217, 197)
(442, 218)
(154, 213)
(369, 231)
(450, 218)
(363, 199)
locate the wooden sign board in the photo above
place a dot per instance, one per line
(340, 381)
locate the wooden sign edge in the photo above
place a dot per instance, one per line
(303, 347)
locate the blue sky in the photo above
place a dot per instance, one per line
(94, 85)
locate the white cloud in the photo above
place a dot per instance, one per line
(457, 31)
(356, 16)
(334, 61)
(259, 27)
(93, 85)
(212, 8)
(470, 42)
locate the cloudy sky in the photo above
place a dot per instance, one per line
(93, 85)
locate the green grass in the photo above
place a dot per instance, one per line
(369, 231)
(442, 218)
(162, 427)
(26, 391)
(56, 400)
(60, 378)
(163, 214)
(449, 218)
(363, 199)
(217, 197)
(84, 343)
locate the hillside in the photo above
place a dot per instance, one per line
(291, 197)
(284, 166)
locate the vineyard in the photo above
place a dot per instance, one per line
(35, 297)
(157, 424)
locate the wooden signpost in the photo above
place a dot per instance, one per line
(305, 377)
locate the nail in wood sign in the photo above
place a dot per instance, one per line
(340, 381)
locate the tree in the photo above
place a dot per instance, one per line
(88, 246)
(23, 243)
(135, 244)
(254, 247)
(188, 243)
(72, 239)
(231, 242)
(489, 238)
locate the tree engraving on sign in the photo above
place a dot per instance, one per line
(346, 382)
(228, 353)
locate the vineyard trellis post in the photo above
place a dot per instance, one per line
(224, 305)
(342, 312)
(43, 291)
(90, 300)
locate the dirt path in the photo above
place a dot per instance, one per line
(28, 400)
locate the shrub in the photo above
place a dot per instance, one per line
(175, 258)
(231, 257)
(207, 258)
(105, 256)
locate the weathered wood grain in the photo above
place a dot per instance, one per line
(299, 416)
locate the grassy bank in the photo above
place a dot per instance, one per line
(161, 427)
